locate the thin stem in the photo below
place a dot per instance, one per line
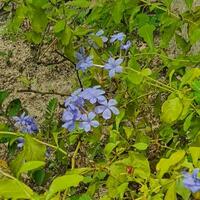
(39, 141)
(42, 93)
(96, 65)
(155, 81)
(74, 65)
(75, 154)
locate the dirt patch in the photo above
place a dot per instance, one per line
(19, 71)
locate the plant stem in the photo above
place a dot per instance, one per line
(74, 65)
(42, 93)
(75, 154)
(39, 141)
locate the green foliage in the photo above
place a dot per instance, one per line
(142, 152)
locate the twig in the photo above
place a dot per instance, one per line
(42, 93)
(51, 63)
(74, 65)
(44, 52)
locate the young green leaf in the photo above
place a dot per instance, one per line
(31, 165)
(146, 32)
(3, 96)
(14, 189)
(64, 182)
(171, 110)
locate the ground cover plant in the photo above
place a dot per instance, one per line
(129, 128)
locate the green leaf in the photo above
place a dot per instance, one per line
(14, 189)
(167, 2)
(189, 76)
(39, 20)
(187, 122)
(65, 36)
(166, 133)
(39, 176)
(33, 149)
(194, 33)
(59, 26)
(119, 118)
(122, 189)
(171, 110)
(169, 25)
(142, 19)
(195, 153)
(29, 166)
(37, 3)
(164, 164)
(196, 87)
(182, 44)
(146, 72)
(79, 3)
(181, 190)
(3, 96)
(128, 131)
(141, 146)
(34, 37)
(171, 192)
(14, 108)
(97, 40)
(146, 32)
(19, 17)
(109, 148)
(118, 10)
(61, 183)
(189, 3)
(134, 77)
(81, 30)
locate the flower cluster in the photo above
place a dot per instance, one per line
(76, 108)
(100, 34)
(113, 66)
(25, 124)
(192, 181)
(84, 61)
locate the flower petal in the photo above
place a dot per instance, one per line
(112, 73)
(114, 110)
(107, 114)
(94, 123)
(112, 102)
(91, 115)
(99, 109)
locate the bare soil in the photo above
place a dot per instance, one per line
(19, 71)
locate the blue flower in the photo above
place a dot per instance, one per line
(26, 124)
(70, 116)
(94, 95)
(126, 46)
(88, 122)
(100, 34)
(75, 99)
(84, 61)
(117, 37)
(20, 142)
(113, 66)
(192, 181)
(107, 108)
